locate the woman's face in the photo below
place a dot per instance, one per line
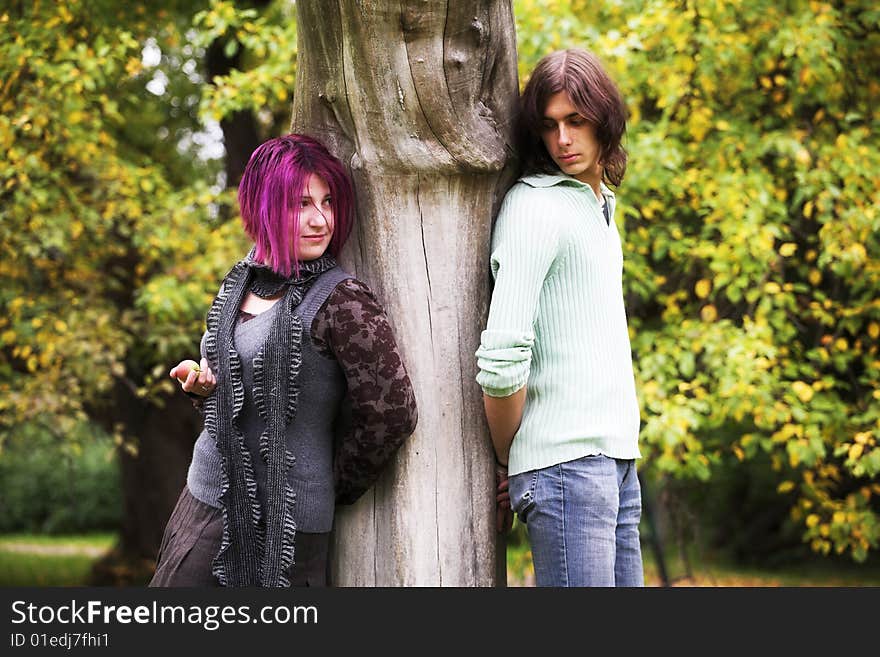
(315, 219)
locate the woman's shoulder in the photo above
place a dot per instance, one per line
(348, 310)
(352, 294)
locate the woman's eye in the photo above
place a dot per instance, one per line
(326, 202)
(304, 203)
(578, 120)
(547, 125)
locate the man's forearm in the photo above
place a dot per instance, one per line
(504, 415)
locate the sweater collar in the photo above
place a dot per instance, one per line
(551, 179)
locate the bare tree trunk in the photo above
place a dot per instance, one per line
(151, 480)
(418, 98)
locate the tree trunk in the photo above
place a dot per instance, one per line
(240, 133)
(151, 480)
(418, 98)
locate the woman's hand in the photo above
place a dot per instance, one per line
(195, 378)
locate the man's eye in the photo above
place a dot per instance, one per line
(577, 120)
(548, 125)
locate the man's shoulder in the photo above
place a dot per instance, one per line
(529, 196)
(523, 191)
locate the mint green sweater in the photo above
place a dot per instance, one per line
(557, 324)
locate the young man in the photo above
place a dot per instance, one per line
(555, 360)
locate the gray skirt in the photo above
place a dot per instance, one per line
(192, 540)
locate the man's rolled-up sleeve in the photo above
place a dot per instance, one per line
(504, 359)
(525, 252)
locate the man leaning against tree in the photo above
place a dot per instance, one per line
(555, 359)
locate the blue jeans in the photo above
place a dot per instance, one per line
(583, 521)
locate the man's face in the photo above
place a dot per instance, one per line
(571, 140)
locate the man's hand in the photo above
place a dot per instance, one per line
(503, 512)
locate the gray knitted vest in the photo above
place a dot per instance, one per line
(309, 436)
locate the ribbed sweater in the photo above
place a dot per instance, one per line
(557, 324)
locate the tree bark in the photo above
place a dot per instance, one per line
(418, 99)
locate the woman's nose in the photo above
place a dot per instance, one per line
(313, 216)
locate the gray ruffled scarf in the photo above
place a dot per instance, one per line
(257, 548)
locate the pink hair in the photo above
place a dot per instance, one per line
(270, 191)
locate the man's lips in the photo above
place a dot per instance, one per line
(570, 157)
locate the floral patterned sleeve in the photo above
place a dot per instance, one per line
(352, 327)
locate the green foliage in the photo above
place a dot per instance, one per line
(51, 486)
(110, 249)
(264, 81)
(751, 226)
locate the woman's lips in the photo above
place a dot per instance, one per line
(568, 158)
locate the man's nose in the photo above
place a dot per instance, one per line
(564, 136)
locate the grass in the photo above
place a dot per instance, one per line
(40, 560)
(714, 570)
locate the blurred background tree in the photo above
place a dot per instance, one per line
(751, 215)
(116, 194)
(749, 212)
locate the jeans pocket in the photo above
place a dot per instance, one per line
(522, 489)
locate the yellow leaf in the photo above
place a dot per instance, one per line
(812, 520)
(838, 518)
(709, 313)
(841, 344)
(803, 391)
(772, 288)
(787, 249)
(703, 287)
(785, 487)
(855, 451)
(862, 437)
(815, 276)
(874, 330)
(9, 336)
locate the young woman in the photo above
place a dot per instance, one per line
(304, 393)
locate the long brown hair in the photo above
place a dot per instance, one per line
(594, 94)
